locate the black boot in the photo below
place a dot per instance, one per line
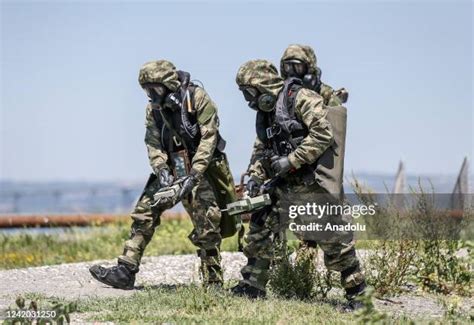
(353, 305)
(246, 290)
(121, 276)
(352, 296)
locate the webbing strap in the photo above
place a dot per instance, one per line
(207, 252)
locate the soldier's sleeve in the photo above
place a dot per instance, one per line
(208, 122)
(309, 108)
(257, 151)
(256, 170)
(156, 155)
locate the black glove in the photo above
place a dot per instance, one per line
(281, 165)
(164, 177)
(252, 188)
(188, 184)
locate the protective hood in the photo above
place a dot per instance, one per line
(301, 52)
(260, 74)
(161, 71)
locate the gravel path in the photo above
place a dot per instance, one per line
(74, 280)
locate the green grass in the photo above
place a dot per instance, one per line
(195, 305)
(104, 242)
(192, 304)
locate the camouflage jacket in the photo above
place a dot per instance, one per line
(309, 109)
(208, 122)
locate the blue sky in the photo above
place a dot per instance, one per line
(72, 108)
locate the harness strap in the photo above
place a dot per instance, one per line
(207, 252)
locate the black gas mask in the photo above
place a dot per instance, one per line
(161, 97)
(295, 68)
(257, 100)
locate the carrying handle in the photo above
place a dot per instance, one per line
(241, 187)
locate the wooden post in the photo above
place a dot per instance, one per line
(461, 188)
(398, 199)
(400, 181)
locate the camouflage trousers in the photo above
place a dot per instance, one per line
(205, 215)
(265, 242)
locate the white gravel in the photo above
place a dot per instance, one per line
(74, 280)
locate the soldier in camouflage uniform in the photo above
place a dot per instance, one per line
(300, 61)
(183, 140)
(266, 92)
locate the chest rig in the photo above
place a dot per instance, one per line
(280, 130)
(178, 126)
(180, 134)
(180, 138)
